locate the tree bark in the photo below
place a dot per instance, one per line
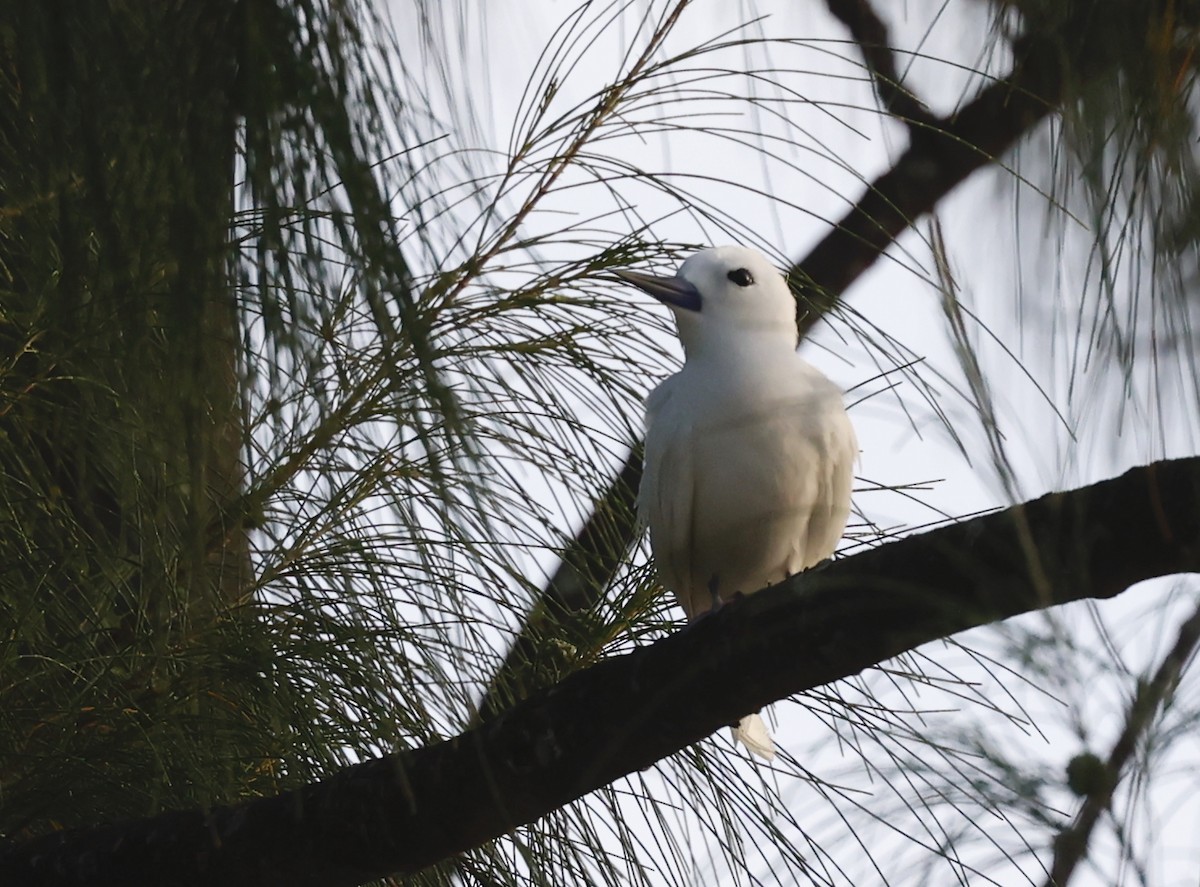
(120, 421)
(406, 811)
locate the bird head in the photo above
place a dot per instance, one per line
(725, 297)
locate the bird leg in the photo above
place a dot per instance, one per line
(716, 595)
(693, 618)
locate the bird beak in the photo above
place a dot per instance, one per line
(673, 291)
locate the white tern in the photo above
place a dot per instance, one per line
(749, 451)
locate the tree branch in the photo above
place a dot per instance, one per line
(1071, 845)
(938, 159)
(407, 811)
(586, 569)
(871, 35)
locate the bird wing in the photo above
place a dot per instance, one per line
(667, 491)
(838, 453)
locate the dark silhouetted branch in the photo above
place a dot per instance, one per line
(1071, 845)
(586, 568)
(939, 158)
(407, 811)
(871, 35)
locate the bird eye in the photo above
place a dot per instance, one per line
(741, 276)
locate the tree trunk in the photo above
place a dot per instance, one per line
(120, 426)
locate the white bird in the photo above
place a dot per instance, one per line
(749, 451)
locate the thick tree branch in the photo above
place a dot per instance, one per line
(407, 811)
(940, 156)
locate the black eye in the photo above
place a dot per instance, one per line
(741, 276)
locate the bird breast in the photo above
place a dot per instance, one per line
(763, 460)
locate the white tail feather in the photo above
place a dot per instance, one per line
(751, 731)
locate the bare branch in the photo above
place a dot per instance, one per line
(407, 811)
(1071, 845)
(871, 35)
(938, 159)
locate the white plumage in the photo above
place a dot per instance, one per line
(749, 451)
